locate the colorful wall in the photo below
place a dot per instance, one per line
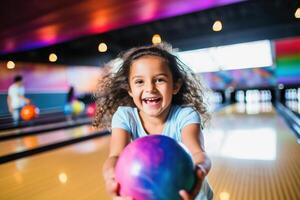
(50, 78)
(286, 70)
(288, 61)
(47, 85)
(239, 79)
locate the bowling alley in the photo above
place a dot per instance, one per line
(150, 100)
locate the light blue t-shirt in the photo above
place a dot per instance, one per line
(127, 118)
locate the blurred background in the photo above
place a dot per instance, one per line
(246, 52)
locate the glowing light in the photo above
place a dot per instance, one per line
(297, 13)
(63, 178)
(52, 57)
(156, 39)
(217, 26)
(236, 56)
(242, 143)
(239, 144)
(48, 34)
(103, 19)
(10, 65)
(99, 21)
(280, 86)
(149, 10)
(224, 196)
(102, 47)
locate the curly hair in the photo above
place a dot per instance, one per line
(112, 89)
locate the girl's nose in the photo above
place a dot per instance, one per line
(149, 87)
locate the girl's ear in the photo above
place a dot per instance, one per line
(129, 92)
(177, 86)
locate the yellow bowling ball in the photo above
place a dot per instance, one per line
(77, 107)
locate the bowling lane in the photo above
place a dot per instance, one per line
(40, 128)
(34, 141)
(72, 172)
(254, 154)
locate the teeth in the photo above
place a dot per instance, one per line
(150, 99)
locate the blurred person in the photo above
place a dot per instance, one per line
(71, 94)
(16, 98)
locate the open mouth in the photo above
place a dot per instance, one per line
(152, 100)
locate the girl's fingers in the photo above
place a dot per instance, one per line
(184, 195)
(112, 186)
(201, 172)
(200, 177)
(122, 198)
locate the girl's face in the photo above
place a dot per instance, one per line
(152, 86)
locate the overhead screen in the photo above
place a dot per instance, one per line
(238, 56)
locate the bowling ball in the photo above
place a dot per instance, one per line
(68, 109)
(91, 110)
(77, 107)
(29, 112)
(154, 167)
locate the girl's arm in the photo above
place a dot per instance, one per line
(195, 144)
(119, 139)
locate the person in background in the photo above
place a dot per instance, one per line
(16, 98)
(71, 95)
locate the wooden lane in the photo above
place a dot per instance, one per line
(73, 172)
(255, 156)
(30, 142)
(38, 129)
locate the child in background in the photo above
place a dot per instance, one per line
(71, 95)
(16, 98)
(153, 92)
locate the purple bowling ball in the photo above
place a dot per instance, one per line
(154, 167)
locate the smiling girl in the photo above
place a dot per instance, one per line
(153, 92)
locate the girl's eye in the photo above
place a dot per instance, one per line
(138, 82)
(159, 80)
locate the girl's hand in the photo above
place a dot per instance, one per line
(112, 186)
(201, 173)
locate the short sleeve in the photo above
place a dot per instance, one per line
(9, 91)
(188, 116)
(120, 120)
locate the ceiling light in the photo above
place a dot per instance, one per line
(217, 26)
(52, 57)
(156, 39)
(102, 47)
(10, 65)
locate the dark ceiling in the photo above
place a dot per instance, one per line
(188, 29)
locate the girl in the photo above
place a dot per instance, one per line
(152, 92)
